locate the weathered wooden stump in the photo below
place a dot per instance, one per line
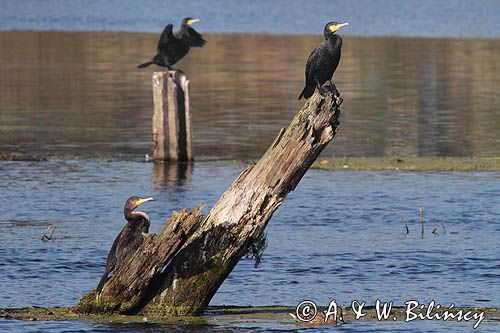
(179, 271)
(171, 117)
(128, 289)
(240, 216)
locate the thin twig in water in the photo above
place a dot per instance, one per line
(47, 235)
(436, 228)
(403, 222)
(422, 222)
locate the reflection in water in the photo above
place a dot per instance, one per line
(172, 175)
(80, 94)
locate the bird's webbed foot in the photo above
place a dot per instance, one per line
(333, 88)
(327, 87)
(175, 69)
(322, 90)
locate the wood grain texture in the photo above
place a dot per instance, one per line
(240, 216)
(172, 133)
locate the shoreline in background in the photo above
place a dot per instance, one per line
(374, 18)
(271, 34)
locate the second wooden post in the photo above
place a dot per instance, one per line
(171, 117)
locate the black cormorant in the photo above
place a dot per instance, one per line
(323, 60)
(129, 239)
(172, 47)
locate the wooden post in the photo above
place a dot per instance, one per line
(171, 117)
(179, 271)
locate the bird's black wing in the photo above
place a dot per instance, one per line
(195, 38)
(110, 264)
(311, 65)
(310, 70)
(166, 36)
(145, 226)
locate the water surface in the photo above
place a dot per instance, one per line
(338, 235)
(79, 94)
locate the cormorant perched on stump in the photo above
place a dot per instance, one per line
(323, 60)
(172, 47)
(128, 240)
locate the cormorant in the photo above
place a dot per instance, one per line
(129, 239)
(323, 60)
(172, 47)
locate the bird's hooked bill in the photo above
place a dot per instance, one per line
(336, 27)
(191, 21)
(143, 200)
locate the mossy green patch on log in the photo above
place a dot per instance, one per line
(89, 303)
(410, 163)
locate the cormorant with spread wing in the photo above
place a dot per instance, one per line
(323, 60)
(172, 47)
(130, 238)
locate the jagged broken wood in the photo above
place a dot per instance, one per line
(127, 289)
(185, 282)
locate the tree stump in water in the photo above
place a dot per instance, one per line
(171, 117)
(128, 289)
(181, 279)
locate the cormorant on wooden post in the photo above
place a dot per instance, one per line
(129, 239)
(323, 60)
(172, 47)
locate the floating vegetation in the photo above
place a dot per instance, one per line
(410, 163)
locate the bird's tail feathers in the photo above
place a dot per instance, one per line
(307, 91)
(146, 64)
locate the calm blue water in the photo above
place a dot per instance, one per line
(432, 18)
(338, 236)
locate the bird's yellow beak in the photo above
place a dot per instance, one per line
(336, 27)
(191, 21)
(143, 200)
